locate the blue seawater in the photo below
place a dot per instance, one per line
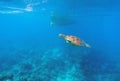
(31, 50)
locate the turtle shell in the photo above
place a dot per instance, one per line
(73, 40)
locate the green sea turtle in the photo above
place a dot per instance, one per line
(74, 40)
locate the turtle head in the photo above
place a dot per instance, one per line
(62, 35)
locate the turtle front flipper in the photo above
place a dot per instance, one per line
(68, 41)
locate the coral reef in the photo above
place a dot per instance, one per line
(54, 64)
(5, 76)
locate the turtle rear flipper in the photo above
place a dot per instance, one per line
(87, 45)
